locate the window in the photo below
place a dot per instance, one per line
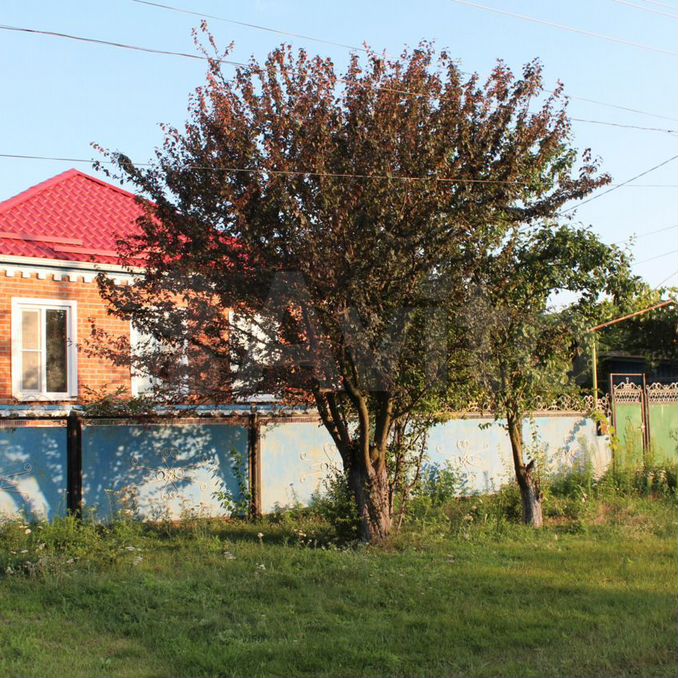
(44, 352)
(255, 342)
(147, 348)
(142, 344)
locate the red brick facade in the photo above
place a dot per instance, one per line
(54, 238)
(93, 372)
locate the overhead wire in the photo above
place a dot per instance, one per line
(658, 256)
(110, 43)
(246, 24)
(563, 27)
(181, 10)
(617, 186)
(646, 9)
(663, 282)
(308, 173)
(336, 175)
(150, 50)
(660, 4)
(645, 234)
(617, 124)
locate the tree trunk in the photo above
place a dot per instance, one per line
(364, 462)
(370, 488)
(527, 482)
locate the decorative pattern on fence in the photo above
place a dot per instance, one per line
(10, 481)
(663, 394)
(566, 403)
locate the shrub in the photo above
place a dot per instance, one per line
(334, 504)
(439, 487)
(509, 502)
(646, 480)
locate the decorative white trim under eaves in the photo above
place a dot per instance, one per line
(62, 274)
(67, 263)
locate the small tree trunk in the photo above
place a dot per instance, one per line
(370, 488)
(527, 482)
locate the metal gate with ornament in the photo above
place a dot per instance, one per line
(645, 418)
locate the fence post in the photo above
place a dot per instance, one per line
(74, 465)
(254, 453)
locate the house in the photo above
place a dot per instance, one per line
(54, 240)
(623, 363)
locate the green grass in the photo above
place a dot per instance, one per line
(594, 597)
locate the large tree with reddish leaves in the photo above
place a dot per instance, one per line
(340, 219)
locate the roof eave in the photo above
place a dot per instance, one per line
(38, 262)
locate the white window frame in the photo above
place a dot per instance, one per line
(142, 384)
(71, 307)
(258, 335)
(145, 385)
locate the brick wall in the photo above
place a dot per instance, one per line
(93, 372)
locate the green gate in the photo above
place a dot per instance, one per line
(645, 419)
(662, 406)
(629, 414)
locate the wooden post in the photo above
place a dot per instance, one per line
(74, 465)
(254, 453)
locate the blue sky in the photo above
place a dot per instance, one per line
(59, 95)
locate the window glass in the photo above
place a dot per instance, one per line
(30, 371)
(56, 345)
(30, 329)
(30, 350)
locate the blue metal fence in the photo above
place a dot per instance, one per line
(164, 468)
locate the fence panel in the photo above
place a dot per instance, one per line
(663, 422)
(296, 454)
(629, 426)
(33, 468)
(479, 448)
(629, 419)
(163, 469)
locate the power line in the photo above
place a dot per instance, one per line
(187, 55)
(659, 230)
(647, 233)
(249, 25)
(255, 170)
(618, 107)
(120, 45)
(659, 256)
(665, 280)
(617, 124)
(660, 4)
(150, 50)
(336, 175)
(624, 183)
(181, 10)
(563, 27)
(646, 9)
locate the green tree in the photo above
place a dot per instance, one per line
(326, 211)
(524, 343)
(653, 335)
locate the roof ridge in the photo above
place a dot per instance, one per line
(24, 195)
(106, 184)
(20, 198)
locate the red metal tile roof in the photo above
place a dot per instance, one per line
(72, 217)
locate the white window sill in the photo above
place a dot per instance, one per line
(43, 397)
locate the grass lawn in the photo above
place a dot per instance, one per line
(593, 598)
